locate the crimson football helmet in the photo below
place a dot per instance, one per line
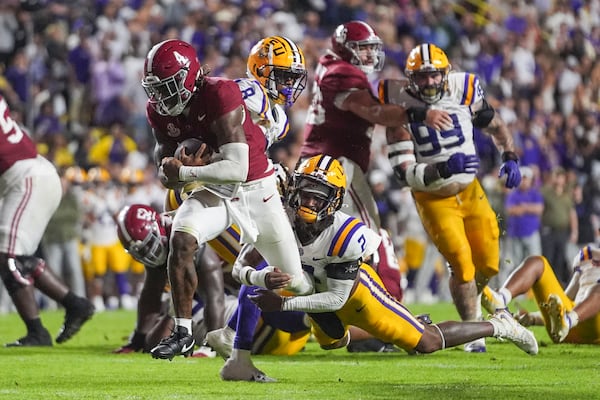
(357, 43)
(171, 71)
(143, 234)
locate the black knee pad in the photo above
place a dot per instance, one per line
(21, 271)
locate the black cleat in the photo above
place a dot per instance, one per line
(40, 339)
(371, 345)
(75, 317)
(179, 343)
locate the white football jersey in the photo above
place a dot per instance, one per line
(346, 239)
(589, 264)
(432, 146)
(269, 116)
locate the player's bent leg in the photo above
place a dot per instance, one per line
(559, 324)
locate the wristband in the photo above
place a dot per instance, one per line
(416, 114)
(442, 168)
(509, 155)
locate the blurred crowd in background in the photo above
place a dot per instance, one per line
(71, 70)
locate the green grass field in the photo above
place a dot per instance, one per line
(84, 368)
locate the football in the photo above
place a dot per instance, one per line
(191, 146)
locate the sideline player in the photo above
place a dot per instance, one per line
(440, 166)
(30, 191)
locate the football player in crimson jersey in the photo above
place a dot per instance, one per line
(30, 191)
(341, 119)
(333, 246)
(570, 315)
(144, 233)
(440, 167)
(238, 185)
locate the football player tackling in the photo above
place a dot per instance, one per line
(333, 246)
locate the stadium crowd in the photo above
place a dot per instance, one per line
(71, 74)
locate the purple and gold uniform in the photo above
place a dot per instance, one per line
(587, 275)
(455, 211)
(336, 255)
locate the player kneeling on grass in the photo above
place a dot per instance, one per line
(571, 315)
(348, 292)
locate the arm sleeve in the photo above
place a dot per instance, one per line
(340, 279)
(232, 168)
(331, 300)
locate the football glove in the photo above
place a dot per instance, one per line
(458, 163)
(510, 168)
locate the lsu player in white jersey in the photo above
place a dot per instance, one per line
(276, 77)
(333, 247)
(440, 167)
(571, 315)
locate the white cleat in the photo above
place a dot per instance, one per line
(238, 370)
(559, 326)
(221, 341)
(506, 327)
(476, 346)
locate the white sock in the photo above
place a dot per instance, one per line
(506, 295)
(239, 354)
(185, 322)
(573, 319)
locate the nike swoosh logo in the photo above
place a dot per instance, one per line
(185, 349)
(359, 309)
(201, 117)
(265, 199)
(318, 259)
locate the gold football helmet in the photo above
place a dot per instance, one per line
(423, 65)
(98, 175)
(76, 175)
(318, 188)
(278, 64)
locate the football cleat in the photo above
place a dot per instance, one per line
(75, 317)
(476, 346)
(492, 300)
(506, 327)
(239, 370)
(559, 326)
(41, 339)
(179, 343)
(221, 341)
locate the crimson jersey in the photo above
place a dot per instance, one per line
(15, 144)
(330, 130)
(215, 98)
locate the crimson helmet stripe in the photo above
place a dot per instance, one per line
(122, 224)
(152, 54)
(368, 28)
